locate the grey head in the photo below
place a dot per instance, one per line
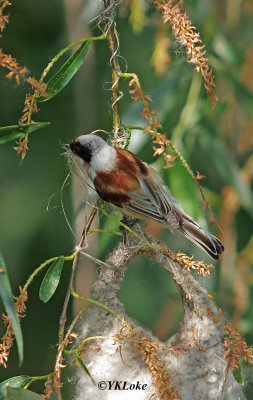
(86, 146)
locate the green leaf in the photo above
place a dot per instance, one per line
(66, 72)
(7, 298)
(107, 242)
(51, 279)
(8, 133)
(227, 169)
(80, 362)
(184, 189)
(16, 382)
(243, 227)
(226, 51)
(237, 373)
(243, 95)
(21, 394)
(53, 396)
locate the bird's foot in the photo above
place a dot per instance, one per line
(130, 222)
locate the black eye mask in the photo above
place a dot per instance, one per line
(81, 151)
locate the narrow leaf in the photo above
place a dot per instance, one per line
(53, 396)
(22, 394)
(7, 298)
(51, 279)
(237, 373)
(8, 133)
(80, 362)
(228, 169)
(66, 72)
(16, 382)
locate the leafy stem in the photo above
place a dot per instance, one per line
(63, 51)
(42, 266)
(97, 303)
(37, 378)
(87, 339)
(113, 44)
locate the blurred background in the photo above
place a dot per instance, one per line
(218, 144)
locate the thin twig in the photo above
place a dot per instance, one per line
(63, 317)
(74, 265)
(113, 44)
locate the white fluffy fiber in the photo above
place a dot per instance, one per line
(111, 364)
(197, 371)
(105, 359)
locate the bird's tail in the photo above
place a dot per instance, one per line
(200, 237)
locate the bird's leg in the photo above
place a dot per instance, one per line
(128, 221)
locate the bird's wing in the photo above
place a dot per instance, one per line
(154, 200)
(141, 206)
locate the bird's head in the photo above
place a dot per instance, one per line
(96, 154)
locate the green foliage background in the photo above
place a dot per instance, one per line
(215, 143)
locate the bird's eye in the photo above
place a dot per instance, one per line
(81, 151)
(75, 148)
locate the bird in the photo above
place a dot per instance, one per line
(136, 189)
